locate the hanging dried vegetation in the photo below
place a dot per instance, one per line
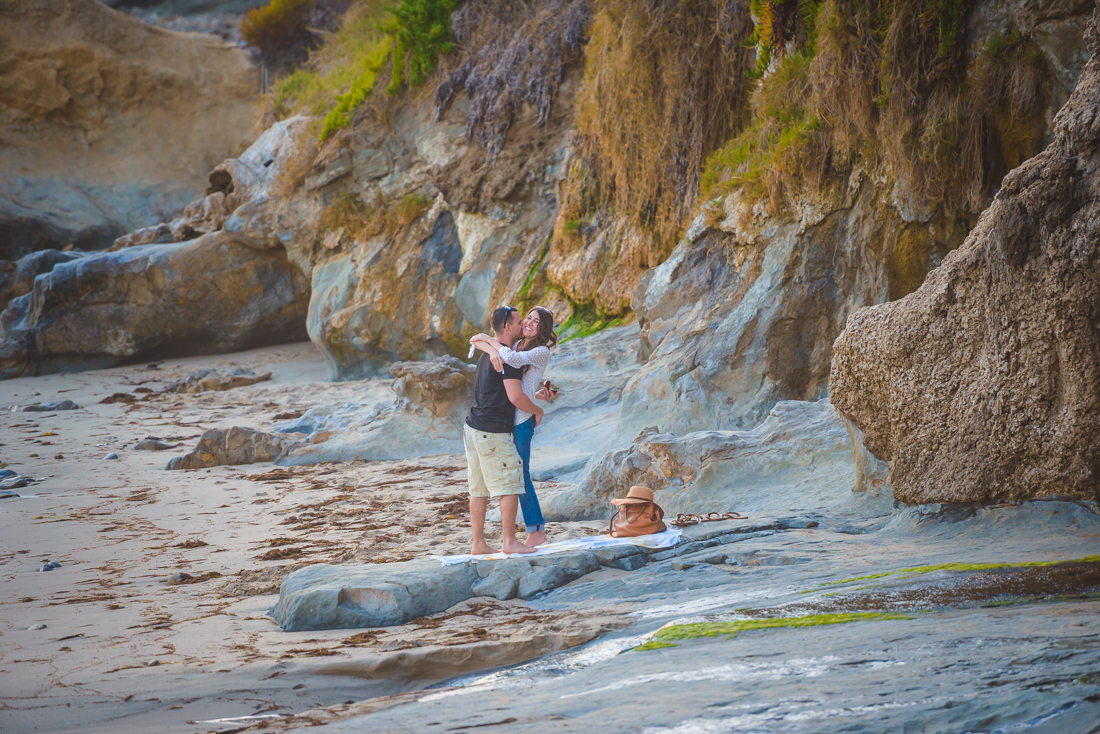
(664, 85)
(889, 83)
(510, 53)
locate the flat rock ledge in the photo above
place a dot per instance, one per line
(323, 596)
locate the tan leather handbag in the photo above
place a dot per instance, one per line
(638, 514)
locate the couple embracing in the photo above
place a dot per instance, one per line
(502, 421)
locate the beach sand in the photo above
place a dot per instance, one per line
(124, 648)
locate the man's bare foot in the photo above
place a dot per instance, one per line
(482, 549)
(512, 545)
(535, 539)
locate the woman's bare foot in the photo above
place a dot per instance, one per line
(535, 539)
(481, 549)
(511, 545)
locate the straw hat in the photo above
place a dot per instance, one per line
(637, 494)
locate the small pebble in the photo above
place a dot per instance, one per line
(59, 456)
(110, 456)
(152, 663)
(35, 627)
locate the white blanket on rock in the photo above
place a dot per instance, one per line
(667, 539)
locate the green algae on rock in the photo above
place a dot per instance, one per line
(666, 635)
(958, 566)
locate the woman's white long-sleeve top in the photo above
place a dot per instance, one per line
(536, 360)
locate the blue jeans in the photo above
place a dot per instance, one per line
(528, 501)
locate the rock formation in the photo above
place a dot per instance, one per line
(799, 458)
(17, 277)
(740, 317)
(744, 312)
(451, 240)
(200, 297)
(985, 382)
(233, 446)
(206, 380)
(213, 280)
(109, 124)
(322, 596)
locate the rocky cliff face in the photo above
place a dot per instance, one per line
(418, 238)
(985, 382)
(745, 310)
(108, 124)
(740, 317)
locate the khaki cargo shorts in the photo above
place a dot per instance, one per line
(495, 468)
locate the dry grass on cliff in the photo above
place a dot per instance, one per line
(889, 83)
(665, 84)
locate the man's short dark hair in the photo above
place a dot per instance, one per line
(500, 318)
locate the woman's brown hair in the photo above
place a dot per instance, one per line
(544, 336)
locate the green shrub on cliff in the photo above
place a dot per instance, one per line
(358, 91)
(280, 30)
(421, 32)
(344, 62)
(342, 74)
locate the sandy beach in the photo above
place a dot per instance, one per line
(127, 647)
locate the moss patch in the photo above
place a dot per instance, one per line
(586, 320)
(916, 570)
(669, 635)
(524, 295)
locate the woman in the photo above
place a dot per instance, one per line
(532, 355)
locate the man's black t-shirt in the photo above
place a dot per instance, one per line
(492, 411)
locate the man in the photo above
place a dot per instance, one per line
(495, 468)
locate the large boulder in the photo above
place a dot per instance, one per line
(985, 383)
(213, 280)
(205, 296)
(109, 124)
